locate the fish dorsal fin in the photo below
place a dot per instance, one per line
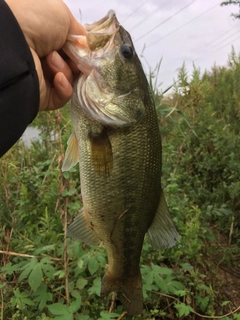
(81, 229)
(71, 156)
(162, 233)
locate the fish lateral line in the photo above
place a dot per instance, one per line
(111, 234)
(122, 214)
(126, 298)
(116, 221)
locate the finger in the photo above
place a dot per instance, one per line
(57, 64)
(71, 63)
(60, 94)
(74, 68)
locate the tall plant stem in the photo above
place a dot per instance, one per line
(62, 203)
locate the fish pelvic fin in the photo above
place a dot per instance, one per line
(162, 233)
(101, 153)
(130, 291)
(71, 156)
(81, 228)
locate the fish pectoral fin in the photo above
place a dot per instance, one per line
(81, 229)
(71, 156)
(162, 233)
(101, 153)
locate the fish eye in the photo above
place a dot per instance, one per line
(126, 51)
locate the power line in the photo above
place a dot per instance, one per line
(199, 57)
(228, 37)
(143, 3)
(150, 15)
(212, 41)
(216, 47)
(181, 26)
(230, 42)
(158, 25)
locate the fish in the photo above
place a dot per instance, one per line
(117, 142)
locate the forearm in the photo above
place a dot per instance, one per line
(19, 86)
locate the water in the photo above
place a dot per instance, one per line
(29, 135)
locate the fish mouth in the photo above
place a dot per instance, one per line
(86, 50)
(100, 32)
(97, 34)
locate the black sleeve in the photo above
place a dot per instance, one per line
(19, 86)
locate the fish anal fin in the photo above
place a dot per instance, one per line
(71, 155)
(130, 289)
(81, 228)
(162, 233)
(101, 152)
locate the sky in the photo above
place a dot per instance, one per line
(191, 31)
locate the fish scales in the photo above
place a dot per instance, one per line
(123, 189)
(117, 142)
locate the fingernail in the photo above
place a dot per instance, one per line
(57, 61)
(63, 81)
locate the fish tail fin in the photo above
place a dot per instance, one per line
(130, 291)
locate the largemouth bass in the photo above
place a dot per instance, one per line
(117, 142)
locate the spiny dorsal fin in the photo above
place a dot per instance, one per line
(101, 152)
(82, 229)
(71, 156)
(162, 233)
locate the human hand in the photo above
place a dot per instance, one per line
(45, 25)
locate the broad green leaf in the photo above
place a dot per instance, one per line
(27, 269)
(49, 247)
(224, 303)
(35, 277)
(83, 317)
(101, 258)
(10, 268)
(58, 309)
(66, 174)
(105, 315)
(92, 265)
(161, 283)
(96, 287)
(146, 287)
(64, 317)
(69, 192)
(204, 302)
(162, 270)
(183, 309)
(174, 286)
(186, 266)
(27, 301)
(81, 283)
(75, 294)
(180, 293)
(74, 206)
(21, 299)
(148, 279)
(80, 263)
(42, 296)
(75, 305)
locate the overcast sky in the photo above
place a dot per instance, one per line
(198, 31)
